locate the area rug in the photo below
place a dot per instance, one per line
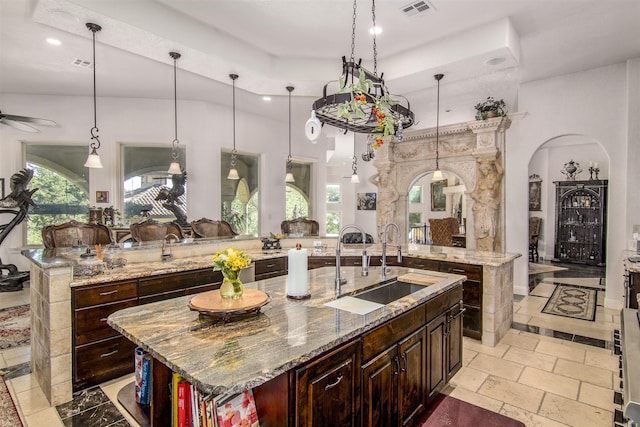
(449, 411)
(15, 325)
(543, 268)
(574, 302)
(585, 282)
(8, 412)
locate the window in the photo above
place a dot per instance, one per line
(240, 197)
(333, 223)
(333, 193)
(62, 183)
(415, 218)
(296, 203)
(415, 194)
(145, 175)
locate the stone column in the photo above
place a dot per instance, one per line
(488, 194)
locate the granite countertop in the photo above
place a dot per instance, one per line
(226, 358)
(193, 256)
(632, 261)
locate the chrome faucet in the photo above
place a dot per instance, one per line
(384, 248)
(168, 255)
(365, 259)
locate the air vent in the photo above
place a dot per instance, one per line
(82, 63)
(415, 8)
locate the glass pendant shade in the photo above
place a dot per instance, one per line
(233, 174)
(437, 175)
(355, 179)
(174, 168)
(93, 160)
(289, 177)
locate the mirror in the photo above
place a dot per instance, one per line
(428, 199)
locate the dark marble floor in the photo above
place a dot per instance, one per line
(573, 270)
(91, 407)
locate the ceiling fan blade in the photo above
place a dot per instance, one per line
(34, 120)
(19, 126)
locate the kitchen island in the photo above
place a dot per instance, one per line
(270, 351)
(69, 311)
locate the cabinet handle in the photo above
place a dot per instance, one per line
(404, 360)
(328, 263)
(270, 265)
(458, 270)
(104, 294)
(332, 385)
(419, 265)
(104, 319)
(397, 365)
(111, 353)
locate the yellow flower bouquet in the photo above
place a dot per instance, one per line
(230, 261)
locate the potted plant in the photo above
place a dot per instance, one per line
(490, 108)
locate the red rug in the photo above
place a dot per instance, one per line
(449, 411)
(8, 412)
(15, 326)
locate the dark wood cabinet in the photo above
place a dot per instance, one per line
(380, 389)
(321, 261)
(273, 267)
(328, 389)
(633, 290)
(473, 289)
(99, 352)
(412, 378)
(581, 222)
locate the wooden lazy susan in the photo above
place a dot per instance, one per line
(212, 304)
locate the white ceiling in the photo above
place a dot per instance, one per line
(275, 43)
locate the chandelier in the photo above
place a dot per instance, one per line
(362, 103)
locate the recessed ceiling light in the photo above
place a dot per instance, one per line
(54, 42)
(495, 61)
(266, 98)
(375, 29)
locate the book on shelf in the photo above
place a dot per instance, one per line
(184, 404)
(238, 410)
(137, 361)
(145, 390)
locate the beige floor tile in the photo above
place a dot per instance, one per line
(543, 290)
(520, 341)
(521, 318)
(47, 417)
(18, 359)
(597, 396)
(528, 418)
(593, 375)
(529, 358)
(540, 337)
(605, 361)
(555, 348)
(23, 383)
(468, 378)
(496, 366)
(498, 351)
(587, 348)
(467, 356)
(13, 352)
(31, 401)
(476, 399)
(548, 381)
(12, 299)
(573, 413)
(3, 364)
(519, 395)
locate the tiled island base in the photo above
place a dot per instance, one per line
(497, 302)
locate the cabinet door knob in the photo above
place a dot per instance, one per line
(332, 385)
(397, 371)
(404, 362)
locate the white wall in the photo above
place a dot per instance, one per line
(592, 103)
(203, 128)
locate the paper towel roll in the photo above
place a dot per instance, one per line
(297, 278)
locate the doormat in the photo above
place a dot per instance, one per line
(15, 326)
(571, 301)
(449, 411)
(8, 413)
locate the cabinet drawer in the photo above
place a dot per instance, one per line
(441, 303)
(391, 332)
(203, 288)
(102, 361)
(91, 323)
(318, 262)
(473, 272)
(179, 281)
(161, 297)
(472, 292)
(271, 266)
(423, 264)
(103, 294)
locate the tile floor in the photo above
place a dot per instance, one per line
(557, 371)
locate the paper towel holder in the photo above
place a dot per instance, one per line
(299, 297)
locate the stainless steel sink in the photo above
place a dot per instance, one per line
(389, 292)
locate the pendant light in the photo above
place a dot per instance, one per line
(437, 175)
(93, 160)
(289, 177)
(174, 167)
(233, 172)
(354, 178)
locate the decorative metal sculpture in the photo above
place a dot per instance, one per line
(16, 203)
(171, 197)
(571, 169)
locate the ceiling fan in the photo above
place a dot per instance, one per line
(18, 122)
